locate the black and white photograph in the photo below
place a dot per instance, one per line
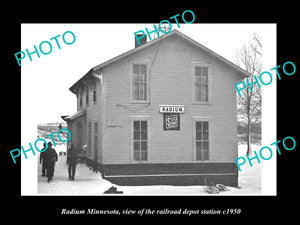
(148, 113)
(162, 113)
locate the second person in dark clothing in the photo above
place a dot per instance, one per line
(72, 161)
(50, 158)
(42, 161)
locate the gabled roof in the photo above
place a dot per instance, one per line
(243, 73)
(240, 71)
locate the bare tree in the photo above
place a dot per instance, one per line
(249, 103)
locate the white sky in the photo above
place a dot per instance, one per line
(46, 80)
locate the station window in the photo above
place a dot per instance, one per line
(140, 140)
(202, 140)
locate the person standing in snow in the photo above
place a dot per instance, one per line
(42, 160)
(50, 158)
(72, 161)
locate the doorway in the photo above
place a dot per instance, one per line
(96, 142)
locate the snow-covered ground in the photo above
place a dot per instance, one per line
(88, 182)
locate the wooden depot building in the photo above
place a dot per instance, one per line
(161, 113)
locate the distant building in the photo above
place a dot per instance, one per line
(161, 113)
(50, 128)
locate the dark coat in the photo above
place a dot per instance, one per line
(72, 156)
(50, 156)
(42, 156)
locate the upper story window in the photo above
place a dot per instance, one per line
(140, 82)
(80, 99)
(87, 96)
(201, 84)
(94, 93)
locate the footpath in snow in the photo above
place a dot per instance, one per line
(88, 182)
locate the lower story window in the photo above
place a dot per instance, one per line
(140, 140)
(202, 141)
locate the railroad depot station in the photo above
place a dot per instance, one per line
(163, 113)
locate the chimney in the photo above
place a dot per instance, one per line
(142, 40)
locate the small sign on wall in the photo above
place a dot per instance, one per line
(171, 121)
(171, 109)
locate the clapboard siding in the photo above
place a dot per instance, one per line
(170, 82)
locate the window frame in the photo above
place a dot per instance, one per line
(147, 64)
(139, 118)
(87, 97)
(202, 119)
(80, 99)
(94, 93)
(209, 74)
